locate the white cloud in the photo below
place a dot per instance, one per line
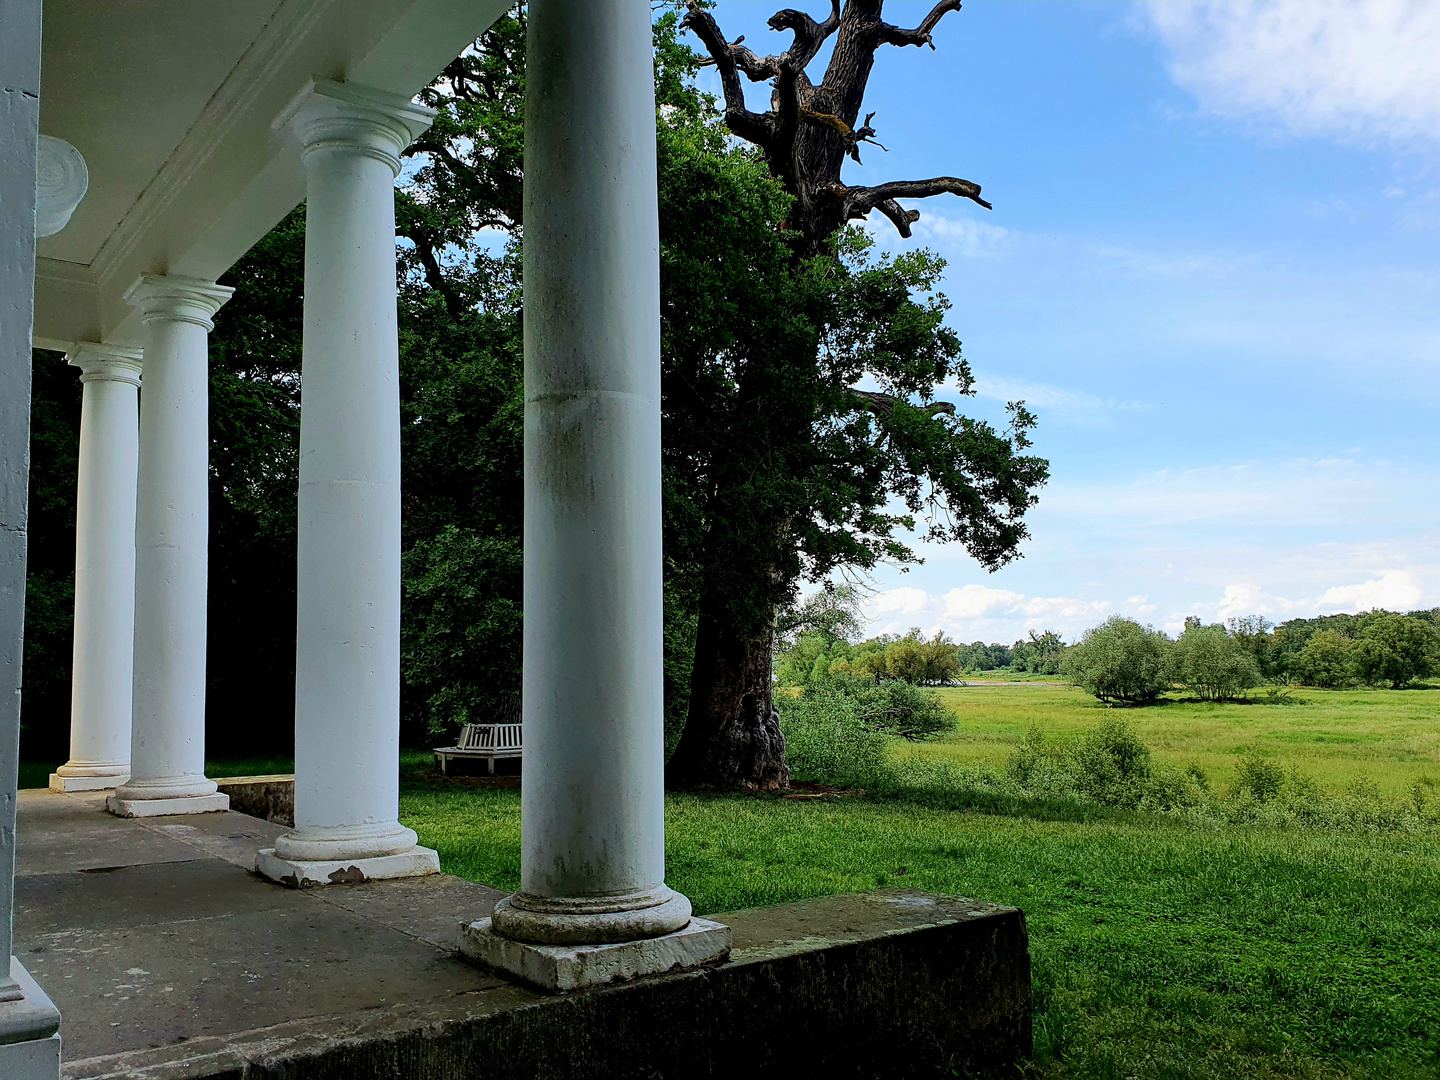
(978, 612)
(1055, 402)
(1363, 70)
(1398, 590)
(964, 237)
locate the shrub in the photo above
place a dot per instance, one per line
(1261, 779)
(1110, 764)
(898, 708)
(1326, 661)
(1213, 665)
(1395, 649)
(826, 742)
(1120, 660)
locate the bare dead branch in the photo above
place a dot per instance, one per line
(809, 35)
(894, 35)
(901, 218)
(751, 126)
(857, 201)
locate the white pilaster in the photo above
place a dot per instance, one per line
(172, 533)
(101, 674)
(347, 664)
(29, 1022)
(593, 812)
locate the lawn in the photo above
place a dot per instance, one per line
(1391, 737)
(1162, 949)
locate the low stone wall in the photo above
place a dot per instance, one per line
(270, 798)
(894, 983)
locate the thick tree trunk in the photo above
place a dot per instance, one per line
(732, 737)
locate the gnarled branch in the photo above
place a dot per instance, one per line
(809, 36)
(894, 35)
(752, 126)
(859, 201)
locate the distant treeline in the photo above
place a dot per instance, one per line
(1329, 650)
(1379, 648)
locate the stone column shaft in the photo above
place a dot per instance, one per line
(593, 833)
(172, 535)
(347, 662)
(102, 670)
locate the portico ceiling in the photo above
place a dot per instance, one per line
(172, 103)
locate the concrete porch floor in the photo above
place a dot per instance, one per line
(170, 959)
(153, 932)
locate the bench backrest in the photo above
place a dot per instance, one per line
(490, 737)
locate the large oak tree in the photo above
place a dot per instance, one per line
(792, 470)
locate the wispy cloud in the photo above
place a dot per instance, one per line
(1060, 403)
(973, 611)
(1360, 70)
(958, 236)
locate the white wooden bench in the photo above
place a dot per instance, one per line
(487, 742)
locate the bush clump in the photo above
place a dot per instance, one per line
(1326, 661)
(898, 708)
(1213, 665)
(1120, 661)
(827, 742)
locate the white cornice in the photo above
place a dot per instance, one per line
(73, 277)
(250, 77)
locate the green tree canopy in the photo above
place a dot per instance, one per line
(1213, 665)
(1120, 661)
(1395, 649)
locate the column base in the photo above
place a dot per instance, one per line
(560, 968)
(185, 804)
(63, 784)
(29, 1031)
(306, 874)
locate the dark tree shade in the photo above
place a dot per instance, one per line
(50, 578)
(254, 477)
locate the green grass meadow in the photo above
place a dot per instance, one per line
(1390, 737)
(1163, 948)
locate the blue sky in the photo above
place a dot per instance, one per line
(1213, 271)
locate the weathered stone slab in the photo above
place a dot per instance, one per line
(562, 968)
(891, 984)
(308, 874)
(193, 804)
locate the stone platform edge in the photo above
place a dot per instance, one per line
(270, 797)
(895, 983)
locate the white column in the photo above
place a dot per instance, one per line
(29, 1022)
(592, 804)
(347, 660)
(172, 535)
(104, 569)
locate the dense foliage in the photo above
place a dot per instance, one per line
(1212, 664)
(1120, 661)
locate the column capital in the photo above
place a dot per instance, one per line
(102, 362)
(175, 298)
(357, 119)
